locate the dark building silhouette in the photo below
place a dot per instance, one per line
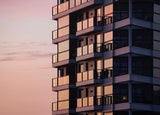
(108, 57)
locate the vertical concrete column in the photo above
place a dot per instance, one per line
(130, 112)
(130, 9)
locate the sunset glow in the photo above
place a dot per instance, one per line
(25, 60)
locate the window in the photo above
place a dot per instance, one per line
(142, 93)
(140, 67)
(156, 93)
(63, 95)
(142, 38)
(121, 10)
(120, 93)
(64, 21)
(143, 11)
(120, 38)
(99, 91)
(63, 46)
(120, 66)
(108, 12)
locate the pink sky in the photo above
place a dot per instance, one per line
(25, 60)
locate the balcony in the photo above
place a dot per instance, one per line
(61, 83)
(89, 77)
(61, 59)
(61, 34)
(89, 25)
(89, 51)
(89, 103)
(72, 6)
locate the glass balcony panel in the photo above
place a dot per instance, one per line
(63, 105)
(91, 48)
(63, 56)
(91, 74)
(63, 31)
(84, 1)
(91, 22)
(85, 24)
(72, 3)
(79, 26)
(54, 10)
(85, 76)
(54, 34)
(85, 50)
(79, 77)
(54, 107)
(54, 82)
(62, 7)
(63, 80)
(79, 102)
(85, 101)
(79, 51)
(78, 2)
(91, 101)
(55, 59)
(98, 47)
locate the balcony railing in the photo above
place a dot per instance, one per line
(62, 105)
(60, 81)
(92, 48)
(87, 23)
(60, 57)
(89, 75)
(67, 5)
(89, 101)
(60, 32)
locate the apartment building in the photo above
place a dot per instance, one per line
(108, 57)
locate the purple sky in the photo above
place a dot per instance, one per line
(25, 60)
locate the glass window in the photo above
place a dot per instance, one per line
(98, 37)
(108, 9)
(63, 105)
(120, 66)
(99, 64)
(140, 67)
(64, 21)
(156, 93)
(63, 31)
(156, 72)
(108, 12)
(99, 91)
(120, 38)
(142, 93)
(108, 36)
(142, 38)
(108, 90)
(143, 11)
(121, 10)
(109, 113)
(63, 95)
(120, 93)
(108, 63)
(156, 62)
(63, 46)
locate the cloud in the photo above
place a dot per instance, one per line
(25, 51)
(6, 59)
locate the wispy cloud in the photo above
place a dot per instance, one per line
(25, 51)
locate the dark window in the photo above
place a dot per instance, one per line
(120, 94)
(143, 11)
(120, 66)
(121, 10)
(142, 38)
(120, 38)
(142, 65)
(142, 93)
